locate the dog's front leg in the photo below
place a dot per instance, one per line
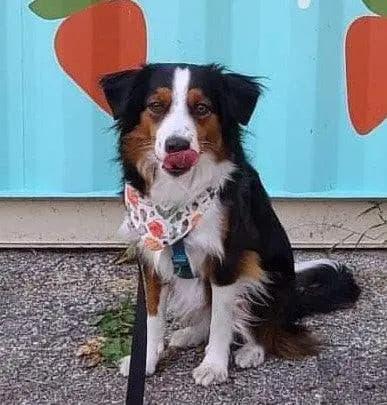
(156, 298)
(214, 367)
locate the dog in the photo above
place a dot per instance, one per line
(181, 148)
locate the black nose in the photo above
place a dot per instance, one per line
(176, 144)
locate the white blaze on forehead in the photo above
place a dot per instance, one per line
(178, 121)
(180, 85)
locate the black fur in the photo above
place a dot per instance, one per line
(324, 288)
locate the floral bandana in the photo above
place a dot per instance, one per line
(160, 225)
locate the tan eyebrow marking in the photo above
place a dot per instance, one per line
(162, 94)
(196, 96)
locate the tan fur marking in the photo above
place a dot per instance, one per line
(152, 291)
(208, 293)
(138, 145)
(250, 266)
(209, 267)
(208, 127)
(225, 224)
(196, 96)
(293, 343)
(162, 95)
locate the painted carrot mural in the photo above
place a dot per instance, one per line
(96, 37)
(366, 61)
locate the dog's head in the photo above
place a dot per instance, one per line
(171, 115)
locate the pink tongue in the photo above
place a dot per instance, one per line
(184, 159)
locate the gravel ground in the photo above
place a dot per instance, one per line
(47, 300)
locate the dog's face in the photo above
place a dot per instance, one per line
(171, 115)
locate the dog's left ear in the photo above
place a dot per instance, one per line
(242, 94)
(118, 89)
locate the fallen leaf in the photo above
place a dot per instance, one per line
(91, 351)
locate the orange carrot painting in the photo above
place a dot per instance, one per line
(366, 63)
(97, 37)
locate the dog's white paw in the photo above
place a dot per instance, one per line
(124, 364)
(152, 358)
(249, 355)
(187, 337)
(208, 373)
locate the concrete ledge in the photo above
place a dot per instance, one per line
(92, 223)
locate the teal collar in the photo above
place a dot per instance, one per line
(180, 261)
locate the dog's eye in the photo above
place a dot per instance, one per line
(156, 107)
(201, 109)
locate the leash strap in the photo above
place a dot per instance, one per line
(136, 379)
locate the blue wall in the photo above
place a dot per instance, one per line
(54, 141)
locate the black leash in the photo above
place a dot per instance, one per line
(136, 379)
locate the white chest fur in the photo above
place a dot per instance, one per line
(206, 239)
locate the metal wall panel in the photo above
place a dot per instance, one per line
(55, 141)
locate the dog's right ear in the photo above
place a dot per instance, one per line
(118, 89)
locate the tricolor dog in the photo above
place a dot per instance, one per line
(188, 183)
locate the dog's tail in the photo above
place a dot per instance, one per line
(323, 286)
